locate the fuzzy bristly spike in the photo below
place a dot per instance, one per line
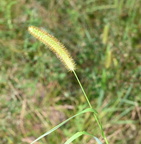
(54, 45)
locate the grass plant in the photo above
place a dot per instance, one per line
(65, 57)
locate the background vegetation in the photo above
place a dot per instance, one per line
(37, 92)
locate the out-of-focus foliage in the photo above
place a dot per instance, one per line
(36, 91)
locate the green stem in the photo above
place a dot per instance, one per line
(95, 116)
(82, 89)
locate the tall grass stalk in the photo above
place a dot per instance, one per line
(62, 53)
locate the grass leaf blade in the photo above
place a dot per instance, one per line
(58, 126)
(78, 134)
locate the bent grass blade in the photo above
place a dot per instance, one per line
(78, 134)
(58, 126)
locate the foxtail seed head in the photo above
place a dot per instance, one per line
(54, 45)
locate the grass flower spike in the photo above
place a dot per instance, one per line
(54, 45)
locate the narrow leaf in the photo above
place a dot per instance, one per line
(78, 134)
(58, 126)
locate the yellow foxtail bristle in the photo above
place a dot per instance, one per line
(54, 45)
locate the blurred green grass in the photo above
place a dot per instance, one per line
(37, 92)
